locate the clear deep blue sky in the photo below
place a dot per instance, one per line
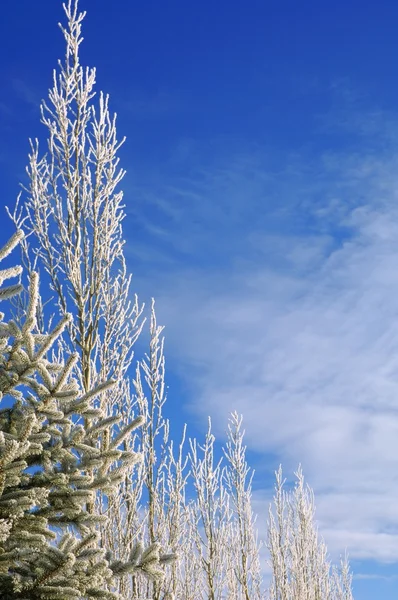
(262, 214)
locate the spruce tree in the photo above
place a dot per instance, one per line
(52, 465)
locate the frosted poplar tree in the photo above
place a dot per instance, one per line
(73, 215)
(211, 514)
(164, 475)
(299, 563)
(244, 577)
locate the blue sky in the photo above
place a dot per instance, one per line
(262, 214)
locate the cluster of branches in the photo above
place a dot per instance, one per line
(80, 515)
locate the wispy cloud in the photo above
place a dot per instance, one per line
(5, 110)
(375, 576)
(290, 317)
(142, 104)
(26, 92)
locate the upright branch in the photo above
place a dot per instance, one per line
(245, 569)
(163, 481)
(212, 514)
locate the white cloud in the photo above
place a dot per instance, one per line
(292, 320)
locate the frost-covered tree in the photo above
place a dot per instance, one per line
(72, 215)
(52, 463)
(159, 491)
(244, 578)
(211, 514)
(299, 563)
